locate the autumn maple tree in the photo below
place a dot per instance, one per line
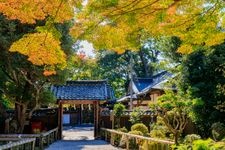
(115, 24)
(27, 33)
(119, 25)
(42, 46)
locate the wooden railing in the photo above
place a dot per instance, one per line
(127, 113)
(151, 143)
(41, 140)
(17, 143)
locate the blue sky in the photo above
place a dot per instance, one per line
(87, 48)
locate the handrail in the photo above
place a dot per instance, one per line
(18, 143)
(157, 143)
(19, 135)
(49, 132)
(28, 135)
(138, 136)
(40, 139)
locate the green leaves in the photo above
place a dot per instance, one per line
(118, 109)
(109, 3)
(136, 114)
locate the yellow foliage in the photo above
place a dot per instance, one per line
(28, 11)
(115, 24)
(185, 49)
(41, 49)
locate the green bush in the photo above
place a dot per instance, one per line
(181, 147)
(159, 129)
(133, 143)
(118, 138)
(148, 145)
(218, 131)
(124, 129)
(118, 112)
(118, 109)
(136, 115)
(203, 144)
(140, 127)
(190, 138)
(200, 144)
(136, 132)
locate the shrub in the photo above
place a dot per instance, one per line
(190, 138)
(158, 131)
(118, 111)
(147, 145)
(133, 143)
(202, 144)
(136, 132)
(181, 147)
(124, 129)
(117, 138)
(140, 127)
(136, 115)
(218, 131)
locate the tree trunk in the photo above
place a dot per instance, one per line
(20, 116)
(176, 137)
(118, 122)
(145, 64)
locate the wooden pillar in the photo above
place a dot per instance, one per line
(80, 115)
(60, 115)
(96, 119)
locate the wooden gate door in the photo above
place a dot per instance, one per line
(96, 115)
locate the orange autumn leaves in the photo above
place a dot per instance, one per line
(119, 24)
(115, 25)
(28, 11)
(41, 48)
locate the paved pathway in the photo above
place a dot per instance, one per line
(80, 138)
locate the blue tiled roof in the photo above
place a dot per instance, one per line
(147, 83)
(83, 90)
(142, 83)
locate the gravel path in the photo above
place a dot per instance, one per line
(80, 138)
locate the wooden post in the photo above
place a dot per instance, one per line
(95, 125)
(127, 142)
(41, 142)
(48, 139)
(167, 146)
(80, 114)
(96, 119)
(60, 115)
(33, 145)
(105, 136)
(56, 134)
(112, 118)
(112, 138)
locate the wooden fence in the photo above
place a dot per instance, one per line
(18, 143)
(151, 143)
(40, 140)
